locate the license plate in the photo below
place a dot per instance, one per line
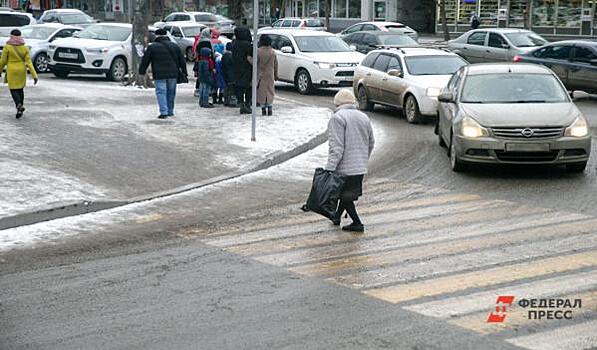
(68, 55)
(527, 147)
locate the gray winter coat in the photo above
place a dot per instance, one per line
(351, 141)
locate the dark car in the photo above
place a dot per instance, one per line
(368, 41)
(573, 61)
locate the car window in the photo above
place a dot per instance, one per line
(541, 52)
(277, 24)
(454, 81)
(369, 27)
(317, 23)
(169, 18)
(434, 65)
(50, 18)
(75, 18)
(287, 23)
(381, 63)
(526, 39)
(558, 52)
(477, 38)
(296, 23)
(176, 32)
(285, 41)
(184, 17)
(513, 88)
(356, 38)
(397, 40)
(496, 40)
(370, 59)
(355, 28)
(66, 33)
(275, 41)
(394, 63)
(584, 54)
(205, 17)
(13, 20)
(321, 44)
(369, 39)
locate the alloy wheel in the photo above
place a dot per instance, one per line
(118, 69)
(41, 63)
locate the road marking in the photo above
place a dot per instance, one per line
(451, 223)
(485, 301)
(575, 337)
(406, 247)
(518, 317)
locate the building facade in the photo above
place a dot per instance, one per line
(546, 17)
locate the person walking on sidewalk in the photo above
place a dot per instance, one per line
(206, 78)
(166, 63)
(267, 74)
(16, 58)
(351, 141)
(243, 72)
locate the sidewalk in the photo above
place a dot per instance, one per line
(91, 141)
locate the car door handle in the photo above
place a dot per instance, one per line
(487, 51)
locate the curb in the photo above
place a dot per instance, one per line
(78, 208)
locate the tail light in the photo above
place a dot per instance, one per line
(517, 58)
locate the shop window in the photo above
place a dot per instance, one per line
(451, 12)
(569, 13)
(312, 7)
(354, 8)
(340, 8)
(543, 13)
(466, 11)
(488, 12)
(518, 15)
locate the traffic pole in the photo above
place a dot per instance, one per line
(254, 79)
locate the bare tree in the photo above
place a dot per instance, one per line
(327, 7)
(139, 41)
(442, 12)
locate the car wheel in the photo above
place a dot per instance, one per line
(190, 54)
(40, 63)
(302, 82)
(576, 167)
(364, 102)
(411, 110)
(117, 70)
(62, 74)
(455, 163)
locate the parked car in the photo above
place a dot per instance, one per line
(38, 38)
(573, 61)
(410, 79)
(511, 114)
(67, 16)
(311, 59)
(226, 26)
(10, 20)
(298, 23)
(365, 42)
(206, 18)
(380, 26)
(495, 44)
(184, 36)
(103, 48)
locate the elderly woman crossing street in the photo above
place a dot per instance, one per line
(15, 57)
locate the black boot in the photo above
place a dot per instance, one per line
(221, 98)
(354, 228)
(245, 109)
(214, 98)
(263, 112)
(270, 111)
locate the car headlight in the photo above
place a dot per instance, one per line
(470, 128)
(433, 92)
(579, 128)
(52, 47)
(324, 65)
(102, 50)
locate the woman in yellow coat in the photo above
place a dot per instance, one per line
(15, 56)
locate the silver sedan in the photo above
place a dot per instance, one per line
(511, 114)
(184, 35)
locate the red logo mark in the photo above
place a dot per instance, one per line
(501, 309)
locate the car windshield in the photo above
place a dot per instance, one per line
(434, 65)
(192, 31)
(205, 18)
(526, 39)
(397, 40)
(513, 88)
(75, 18)
(40, 33)
(314, 23)
(321, 44)
(103, 32)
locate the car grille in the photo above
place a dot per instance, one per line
(528, 133)
(80, 58)
(527, 156)
(345, 74)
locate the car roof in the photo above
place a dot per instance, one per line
(417, 51)
(501, 30)
(380, 33)
(383, 23)
(296, 32)
(51, 25)
(17, 13)
(187, 24)
(64, 10)
(192, 13)
(497, 68)
(591, 42)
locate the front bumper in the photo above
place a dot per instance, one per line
(515, 151)
(75, 68)
(340, 76)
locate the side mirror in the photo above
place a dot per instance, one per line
(505, 46)
(287, 49)
(395, 73)
(446, 96)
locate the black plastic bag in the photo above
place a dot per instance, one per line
(325, 193)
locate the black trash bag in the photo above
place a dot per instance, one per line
(325, 193)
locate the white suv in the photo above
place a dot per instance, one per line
(206, 18)
(98, 49)
(10, 20)
(311, 59)
(408, 78)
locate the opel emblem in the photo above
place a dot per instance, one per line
(527, 132)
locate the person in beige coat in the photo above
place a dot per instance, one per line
(267, 74)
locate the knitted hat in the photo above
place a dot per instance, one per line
(344, 97)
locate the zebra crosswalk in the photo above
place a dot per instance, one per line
(444, 255)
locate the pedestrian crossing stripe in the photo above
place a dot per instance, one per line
(518, 317)
(575, 337)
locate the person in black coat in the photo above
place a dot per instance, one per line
(241, 51)
(228, 71)
(166, 63)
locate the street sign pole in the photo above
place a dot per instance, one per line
(254, 80)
